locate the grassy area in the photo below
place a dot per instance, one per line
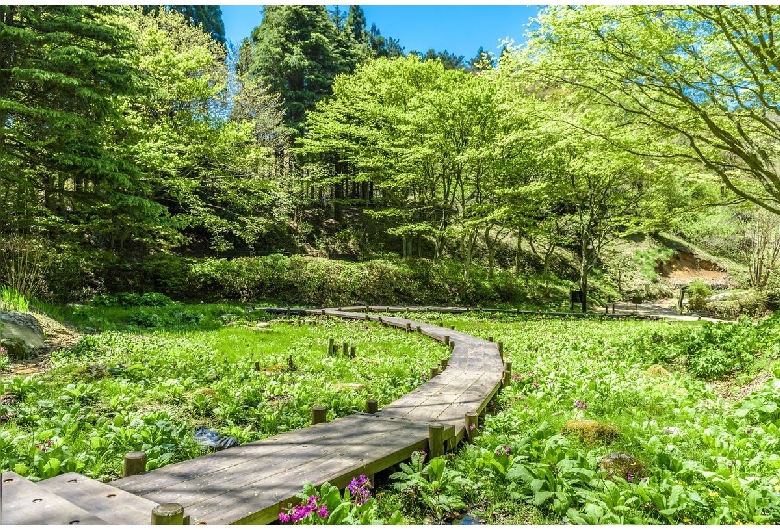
(119, 391)
(583, 390)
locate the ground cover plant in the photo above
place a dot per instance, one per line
(148, 389)
(592, 429)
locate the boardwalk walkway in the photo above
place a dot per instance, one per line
(251, 483)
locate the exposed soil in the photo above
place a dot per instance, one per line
(683, 268)
(731, 391)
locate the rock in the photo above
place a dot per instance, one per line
(623, 465)
(672, 431)
(591, 431)
(20, 334)
(657, 370)
(207, 438)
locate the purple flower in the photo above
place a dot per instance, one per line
(323, 512)
(580, 405)
(472, 427)
(629, 477)
(359, 489)
(503, 451)
(536, 385)
(283, 517)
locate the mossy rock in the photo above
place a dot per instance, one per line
(206, 391)
(657, 370)
(623, 465)
(591, 431)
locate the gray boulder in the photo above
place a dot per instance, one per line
(20, 334)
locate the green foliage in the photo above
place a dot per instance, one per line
(699, 58)
(328, 506)
(13, 300)
(434, 488)
(707, 461)
(120, 391)
(698, 293)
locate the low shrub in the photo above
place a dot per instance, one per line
(698, 293)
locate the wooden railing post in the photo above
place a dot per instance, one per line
(434, 371)
(372, 406)
(501, 349)
(435, 439)
(472, 424)
(134, 463)
(318, 415)
(168, 513)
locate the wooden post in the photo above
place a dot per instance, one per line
(501, 349)
(318, 415)
(257, 366)
(444, 363)
(419, 329)
(446, 340)
(352, 352)
(472, 424)
(435, 439)
(508, 367)
(168, 513)
(452, 345)
(371, 406)
(452, 328)
(490, 338)
(505, 378)
(134, 463)
(330, 346)
(408, 327)
(434, 371)
(346, 348)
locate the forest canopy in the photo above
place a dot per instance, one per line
(127, 133)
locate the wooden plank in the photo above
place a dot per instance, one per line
(247, 491)
(24, 502)
(279, 444)
(112, 505)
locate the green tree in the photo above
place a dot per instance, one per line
(213, 175)
(62, 69)
(384, 47)
(356, 24)
(449, 60)
(705, 77)
(210, 17)
(294, 54)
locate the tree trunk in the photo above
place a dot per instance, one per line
(584, 278)
(491, 250)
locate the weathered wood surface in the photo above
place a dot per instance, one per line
(24, 502)
(252, 482)
(110, 504)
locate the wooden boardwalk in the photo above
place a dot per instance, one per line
(253, 482)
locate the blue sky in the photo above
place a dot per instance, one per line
(459, 29)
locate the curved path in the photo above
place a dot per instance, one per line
(253, 482)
